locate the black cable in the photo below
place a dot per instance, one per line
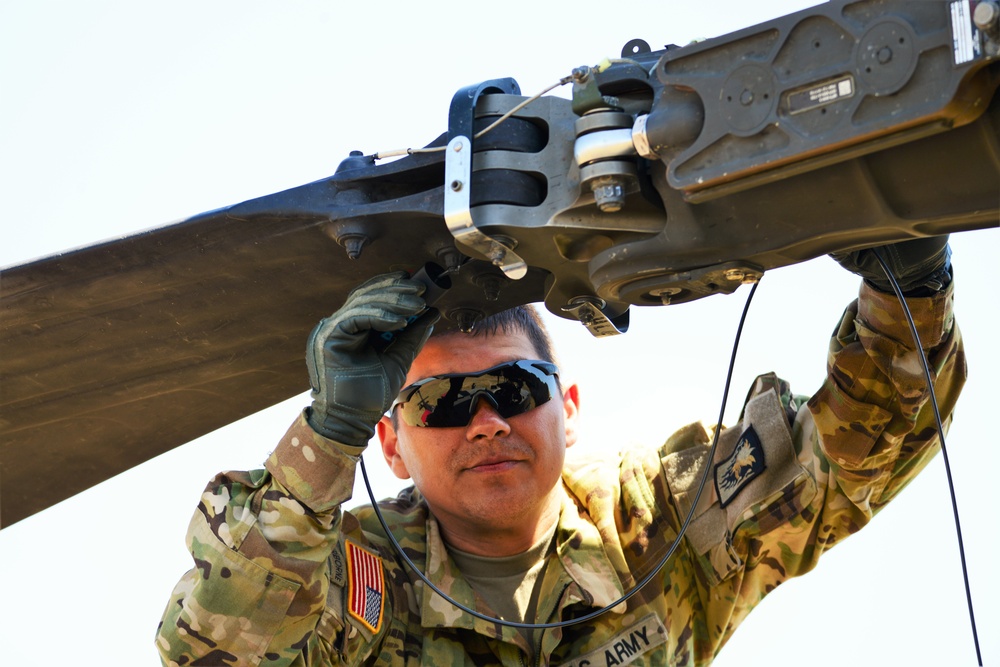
(645, 580)
(944, 449)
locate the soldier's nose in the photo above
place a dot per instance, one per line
(486, 422)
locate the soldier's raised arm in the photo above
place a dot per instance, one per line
(847, 451)
(262, 540)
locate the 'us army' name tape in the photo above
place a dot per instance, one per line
(626, 646)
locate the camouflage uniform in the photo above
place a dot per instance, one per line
(274, 582)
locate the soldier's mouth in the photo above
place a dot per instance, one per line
(493, 465)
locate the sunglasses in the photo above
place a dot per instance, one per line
(512, 389)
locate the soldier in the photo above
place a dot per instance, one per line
(499, 519)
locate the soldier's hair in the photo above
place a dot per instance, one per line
(519, 319)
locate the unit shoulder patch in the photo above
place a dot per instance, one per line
(366, 591)
(743, 465)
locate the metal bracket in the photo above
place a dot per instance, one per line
(589, 311)
(458, 179)
(458, 211)
(462, 112)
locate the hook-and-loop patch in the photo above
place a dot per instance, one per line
(366, 592)
(743, 465)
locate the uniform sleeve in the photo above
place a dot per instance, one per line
(798, 475)
(873, 420)
(261, 543)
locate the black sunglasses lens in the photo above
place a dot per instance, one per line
(450, 400)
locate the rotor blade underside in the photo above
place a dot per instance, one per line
(119, 352)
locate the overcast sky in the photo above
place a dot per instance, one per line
(117, 117)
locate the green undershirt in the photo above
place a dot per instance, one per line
(508, 584)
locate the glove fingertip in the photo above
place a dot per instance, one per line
(412, 339)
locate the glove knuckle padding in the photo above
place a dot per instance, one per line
(357, 389)
(315, 352)
(379, 315)
(912, 263)
(377, 283)
(353, 382)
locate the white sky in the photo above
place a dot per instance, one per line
(115, 117)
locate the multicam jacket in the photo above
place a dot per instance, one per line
(284, 576)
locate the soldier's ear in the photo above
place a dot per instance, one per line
(390, 448)
(571, 411)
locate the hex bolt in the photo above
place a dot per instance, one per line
(665, 294)
(449, 257)
(354, 244)
(499, 248)
(491, 286)
(735, 275)
(987, 16)
(742, 276)
(467, 319)
(609, 194)
(585, 308)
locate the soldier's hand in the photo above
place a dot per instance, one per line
(921, 266)
(353, 381)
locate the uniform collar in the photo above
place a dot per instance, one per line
(581, 573)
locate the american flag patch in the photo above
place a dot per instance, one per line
(365, 591)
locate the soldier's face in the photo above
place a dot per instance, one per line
(494, 473)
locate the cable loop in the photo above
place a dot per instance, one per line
(381, 155)
(944, 450)
(645, 580)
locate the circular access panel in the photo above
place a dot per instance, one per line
(887, 56)
(748, 97)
